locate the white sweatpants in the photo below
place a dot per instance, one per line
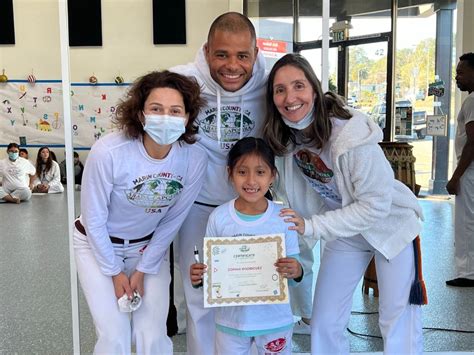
(200, 323)
(464, 225)
(179, 300)
(268, 344)
(55, 187)
(301, 296)
(116, 331)
(342, 266)
(23, 193)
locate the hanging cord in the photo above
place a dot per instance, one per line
(218, 117)
(418, 295)
(241, 135)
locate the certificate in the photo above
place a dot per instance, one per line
(241, 271)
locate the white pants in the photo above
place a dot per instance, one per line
(342, 265)
(268, 344)
(200, 323)
(116, 331)
(55, 187)
(464, 225)
(179, 300)
(23, 193)
(301, 296)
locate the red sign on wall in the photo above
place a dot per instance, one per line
(272, 48)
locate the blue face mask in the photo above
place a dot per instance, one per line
(13, 156)
(303, 123)
(164, 129)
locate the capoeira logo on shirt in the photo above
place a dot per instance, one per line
(155, 190)
(316, 173)
(231, 122)
(312, 166)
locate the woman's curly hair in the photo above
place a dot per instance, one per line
(130, 110)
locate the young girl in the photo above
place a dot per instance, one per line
(48, 177)
(251, 169)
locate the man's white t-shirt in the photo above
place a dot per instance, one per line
(16, 173)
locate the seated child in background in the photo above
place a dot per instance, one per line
(47, 178)
(78, 169)
(16, 173)
(24, 153)
(251, 168)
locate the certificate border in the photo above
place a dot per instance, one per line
(251, 240)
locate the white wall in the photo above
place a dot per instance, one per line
(127, 48)
(127, 35)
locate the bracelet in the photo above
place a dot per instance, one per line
(199, 285)
(298, 279)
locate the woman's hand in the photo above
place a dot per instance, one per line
(294, 218)
(43, 188)
(122, 285)
(289, 268)
(196, 273)
(137, 282)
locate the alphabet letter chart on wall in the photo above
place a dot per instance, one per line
(35, 112)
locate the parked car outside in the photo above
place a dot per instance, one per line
(352, 102)
(378, 114)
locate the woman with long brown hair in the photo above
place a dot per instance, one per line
(334, 174)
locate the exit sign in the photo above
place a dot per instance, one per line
(339, 36)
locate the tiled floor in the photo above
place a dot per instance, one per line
(35, 310)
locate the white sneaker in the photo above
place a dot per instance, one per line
(301, 327)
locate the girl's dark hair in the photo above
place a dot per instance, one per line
(252, 146)
(129, 111)
(278, 135)
(39, 161)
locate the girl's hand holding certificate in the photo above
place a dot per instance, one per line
(289, 268)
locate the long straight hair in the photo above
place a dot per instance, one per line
(277, 134)
(40, 162)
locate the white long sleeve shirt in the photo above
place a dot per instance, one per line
(383, 210)
(51, 177)
(127, 194)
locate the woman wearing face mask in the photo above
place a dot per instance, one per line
(334, 173)
(137, 188)
(48, 176)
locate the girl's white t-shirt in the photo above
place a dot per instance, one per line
(224, 222)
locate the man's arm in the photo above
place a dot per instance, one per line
(467, 156)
